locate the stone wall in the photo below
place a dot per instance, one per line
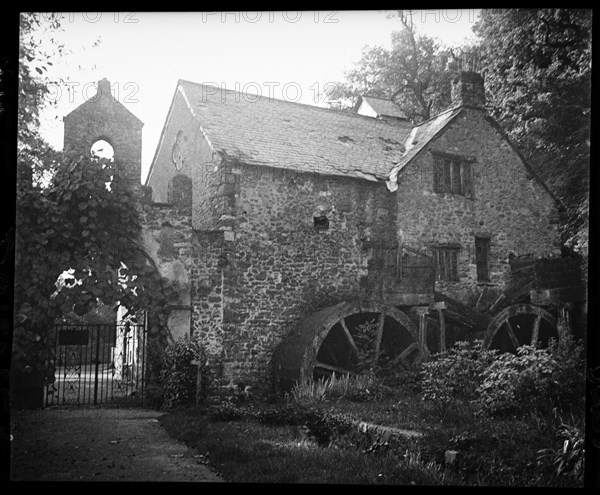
(284, 262)
(184, 152)
(167, 239)
(508, 205)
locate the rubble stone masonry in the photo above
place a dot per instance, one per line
(508, 205)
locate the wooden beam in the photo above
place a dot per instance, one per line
(379, 335)
(349, 336)
(511, 334)
(330, 367)
(422, 312)
(442, 321)
(557, 296)
(406, 352)
(536, 330)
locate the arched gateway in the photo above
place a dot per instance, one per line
(337, 338)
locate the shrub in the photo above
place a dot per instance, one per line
(311, 390)
(225, 411)
(179, 376)
(322, 426)
(569, 459)
(362, 387)
(534, 380)
(455, 375)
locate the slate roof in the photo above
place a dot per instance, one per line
(383, 106)
(284, 134)
(420, 136)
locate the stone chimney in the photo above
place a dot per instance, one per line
(467, 90)
(104, 87)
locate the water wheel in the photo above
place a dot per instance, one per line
(343, 339)
(364, 339)
(520, 324)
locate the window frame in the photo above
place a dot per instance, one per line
(446, 168)
(446, 258)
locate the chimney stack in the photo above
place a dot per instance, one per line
(467, 90)
(104, 87)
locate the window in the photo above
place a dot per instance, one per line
(482, 254)
(452, 175)
(321, 222)
(102, 149)
(446, 263)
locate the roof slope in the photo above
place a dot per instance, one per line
(104, 97)
(277, 133)
(419, 137)
(383, 106)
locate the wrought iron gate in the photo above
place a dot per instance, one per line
(98, 364)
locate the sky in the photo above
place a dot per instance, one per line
(290, 55)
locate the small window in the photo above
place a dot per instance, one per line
(482, 258)
(446, 263)
(321, 222)
(452, 176)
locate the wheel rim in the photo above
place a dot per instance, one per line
(357, 339)
(521, 324)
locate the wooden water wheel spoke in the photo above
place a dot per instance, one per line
(349, 336)
(337, 369)
(528, 318)
(511, 334)
(536, 330)
(408, 351)
(347, 339)
(379, 335)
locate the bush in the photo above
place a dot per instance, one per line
(534, 380)
(179, 376)
(362, 387)
(311, 390)
(225, 411)
(455, 375)
(322, 426)
(568, 460)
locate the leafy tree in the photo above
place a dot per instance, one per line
(415, 73)
(36, 158)
(78, 226)
(537, 67)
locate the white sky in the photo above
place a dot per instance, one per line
(288, 55)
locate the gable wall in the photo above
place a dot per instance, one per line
(104, 118)
(515, 211)
(196, 161)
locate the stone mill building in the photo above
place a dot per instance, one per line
(285, 226)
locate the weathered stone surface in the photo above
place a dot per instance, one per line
(254, 247)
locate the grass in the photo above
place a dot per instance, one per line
(499, 452)
(244, 451)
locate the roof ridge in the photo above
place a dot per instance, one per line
(451, 109)
(364, 95)
(306, 105)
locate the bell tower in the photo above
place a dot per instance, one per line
(103, 119)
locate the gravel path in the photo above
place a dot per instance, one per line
(100, 444)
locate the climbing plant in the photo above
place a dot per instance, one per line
(77, 244)
(78, 225)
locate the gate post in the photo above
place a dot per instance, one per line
(97, 365)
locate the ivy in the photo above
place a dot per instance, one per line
(78, 226)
